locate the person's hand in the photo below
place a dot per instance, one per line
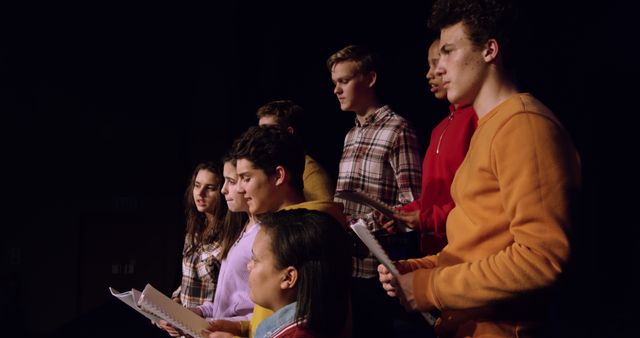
(410, 218)
(172, 331)
(218, 334)
(378, 216)
(400, 286)
(220, 328)
(403, 287)
(388, 224)
(386, 278)
(349, 218)
(175, 332)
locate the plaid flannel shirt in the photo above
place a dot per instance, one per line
(200, 272)
(381, 158)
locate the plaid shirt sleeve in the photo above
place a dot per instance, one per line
(404, 158)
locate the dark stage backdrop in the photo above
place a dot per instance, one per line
(106, 109)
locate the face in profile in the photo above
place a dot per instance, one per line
(461, 65)
(351, 87)
(235, 200)
(256, 187)
(268, 120)
(266, 280)
(205, 191)
(435, 81)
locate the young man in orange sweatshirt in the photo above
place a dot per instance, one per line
(508, 241)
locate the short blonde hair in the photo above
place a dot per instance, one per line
(366, 61)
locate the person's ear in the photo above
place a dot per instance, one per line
(491, 49)
(290, 130)
(289, 278)
(281, 175)
(373, 77)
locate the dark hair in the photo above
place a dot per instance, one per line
(483, 19)
(317, 245)
(268, 147)
(198, 230)
(287, 112)
(366, 60)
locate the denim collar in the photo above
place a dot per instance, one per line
(274, 323)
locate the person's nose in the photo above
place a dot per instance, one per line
(202, 192)
(250, 265)
(337, 89)
(440, 70)
(241, 189)
(430, 74)
(197, 191)
(225, 188)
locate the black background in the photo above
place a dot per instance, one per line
(107, 108)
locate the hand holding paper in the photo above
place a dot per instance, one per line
(387, 278)
(383, 208)
(162, 310)
(406, 282)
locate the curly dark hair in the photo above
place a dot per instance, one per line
(483, 19)
(269, 147)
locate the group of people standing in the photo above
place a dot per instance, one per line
(490, 201)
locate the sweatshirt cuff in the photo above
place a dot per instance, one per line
(423, 290)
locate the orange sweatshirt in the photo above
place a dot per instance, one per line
(508, 232)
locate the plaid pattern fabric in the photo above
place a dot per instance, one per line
(381, 158)
(200, 272)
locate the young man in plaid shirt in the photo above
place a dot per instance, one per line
(380, 158)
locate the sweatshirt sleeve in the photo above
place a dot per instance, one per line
(536, 168)
(427, 262)
(434, 218)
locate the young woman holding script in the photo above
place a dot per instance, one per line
(205, 211)
(235, 223)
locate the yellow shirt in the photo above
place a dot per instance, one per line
(508, 232)
(317, 184)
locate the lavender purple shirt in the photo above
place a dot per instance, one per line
(231, 300)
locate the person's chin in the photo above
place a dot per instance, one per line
(452, 98)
